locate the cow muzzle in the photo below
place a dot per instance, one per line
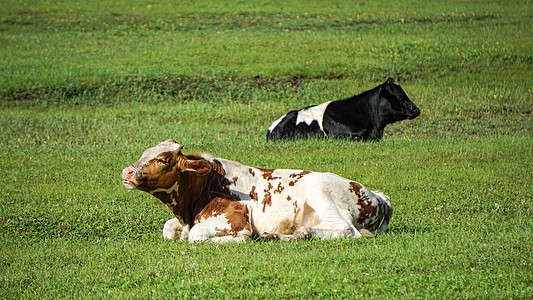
(129, 178)
(413, 113)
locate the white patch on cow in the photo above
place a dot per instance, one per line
(166, 146)
(310, 114)
(169, 191)
(275, 123)
(207, 157)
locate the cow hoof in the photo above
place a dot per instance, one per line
(366, 233)
(270, 236)
(302, 234)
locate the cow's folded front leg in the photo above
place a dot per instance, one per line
(222, 220)
(174, 230)
(219, 229)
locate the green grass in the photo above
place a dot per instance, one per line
(86, 86)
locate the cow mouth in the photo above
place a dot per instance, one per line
(414, 114)
(128, 184)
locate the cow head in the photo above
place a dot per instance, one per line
(397, 101)
(161, 167)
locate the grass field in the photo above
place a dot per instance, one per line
(86, 86)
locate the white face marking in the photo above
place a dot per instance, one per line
(308, 115)
(171, 189)
(166, 146)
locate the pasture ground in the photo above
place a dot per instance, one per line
(86, 86)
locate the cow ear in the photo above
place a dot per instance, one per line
(390, 81)
(201, 167)
(177, 152)
(384, 91)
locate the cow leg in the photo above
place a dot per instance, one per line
(307, 232)
(334, 222)
(266, 236)
(326, 234)
(219, 230)
(174, 230)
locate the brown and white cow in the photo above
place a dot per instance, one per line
(219, 200)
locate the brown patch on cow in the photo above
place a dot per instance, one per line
(269, 187)
(235, 180)
(212, 209)
(267, 199)
(238, 217)
(366, 209)
(355, 188)
(382, 213)
(253, 194)
(295, 204)
(222, 232)
(286, 227)
(251, 171)
(156, 173)
(297, 177)
(279, 189)
(267, 174)
(236, 213)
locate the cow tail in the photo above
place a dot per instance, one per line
(387, 214)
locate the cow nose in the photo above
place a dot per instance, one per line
(415, 112)
(127, 172)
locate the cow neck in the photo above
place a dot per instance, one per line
(194, 192)
(378, 116)
(366, 104)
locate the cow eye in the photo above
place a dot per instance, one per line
(161, 160)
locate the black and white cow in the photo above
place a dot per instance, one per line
(362, 116)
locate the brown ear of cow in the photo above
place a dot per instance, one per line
(178, 151)
(201, 167)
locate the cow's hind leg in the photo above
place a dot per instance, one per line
(267, 236)
(306, 232)
(329, 220)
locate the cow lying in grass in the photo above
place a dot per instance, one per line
(219, 200)
(363, 116)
